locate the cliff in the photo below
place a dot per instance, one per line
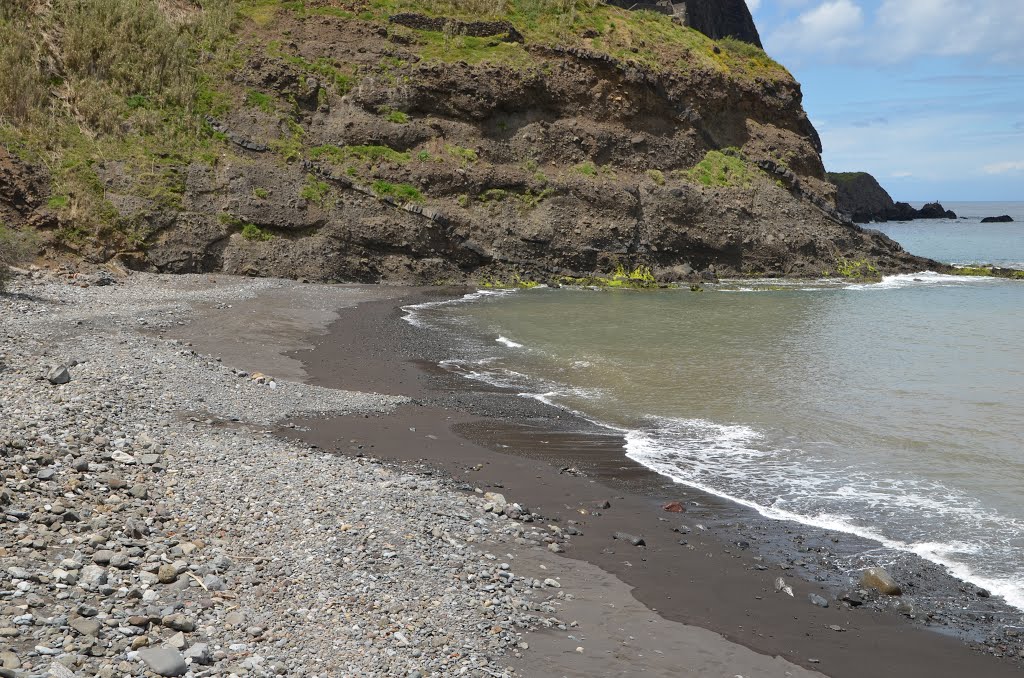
(722, 19)
(861, 198)
(414, 141)
(714, 18)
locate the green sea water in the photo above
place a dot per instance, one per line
(892, 410)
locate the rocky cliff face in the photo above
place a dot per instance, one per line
(722, 19)
(356, 144)
(714, 18)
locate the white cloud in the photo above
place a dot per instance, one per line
(1004, 167)
(902, 30)
(830, 27)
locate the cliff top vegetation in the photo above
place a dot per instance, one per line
(137, 84)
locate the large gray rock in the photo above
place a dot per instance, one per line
(58, 374)
(164, 661)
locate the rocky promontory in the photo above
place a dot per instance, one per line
(361, 143)
(860, 197)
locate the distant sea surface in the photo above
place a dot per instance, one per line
(893, 410)
(965, 240)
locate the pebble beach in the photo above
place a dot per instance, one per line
(153, 526)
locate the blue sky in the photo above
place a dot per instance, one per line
(927, 95)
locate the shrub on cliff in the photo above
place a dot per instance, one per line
(15, 248)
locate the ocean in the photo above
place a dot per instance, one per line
(892, 410)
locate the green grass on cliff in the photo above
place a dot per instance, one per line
(117, 92)
(647, 38)
(718, 168)
(89, 87)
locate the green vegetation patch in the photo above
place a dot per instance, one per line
(391, 115)
(721, 168)
(640, 277)
(988, 272)
(259, 100)
(647, 38)
(856, 268)
(372, 154)
(315, 190)
(255, 233)
(657, 176)
(401, 193)
(463, 155)
(514, 282)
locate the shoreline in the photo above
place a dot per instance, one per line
(487, 419)
(186, 517)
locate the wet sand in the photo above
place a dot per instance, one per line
(663, 609)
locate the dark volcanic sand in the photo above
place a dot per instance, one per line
(493, 440)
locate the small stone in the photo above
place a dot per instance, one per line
(102, 557)
(93, 575)
(167, 574)
(630, 538)
(85, 626)
(199, 654)
(122, 457)
(177, 641)
(164, 661)
(9, 660)
(817, 600)
(178, 622)
(213, 583)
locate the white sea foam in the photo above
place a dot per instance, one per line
(728, 462)
(891, 282)
(414, 312)
(508, 342)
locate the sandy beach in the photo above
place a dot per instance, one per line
(259, 477)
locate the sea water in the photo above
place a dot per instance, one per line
(892, 410)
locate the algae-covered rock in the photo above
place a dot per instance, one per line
(880, 580)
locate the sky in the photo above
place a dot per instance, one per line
(926, 95)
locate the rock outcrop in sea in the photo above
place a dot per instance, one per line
(860, 197)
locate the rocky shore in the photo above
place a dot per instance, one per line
(154, 527)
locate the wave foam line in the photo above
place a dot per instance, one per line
(902, 280)
(413, 311)
(641, 449)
